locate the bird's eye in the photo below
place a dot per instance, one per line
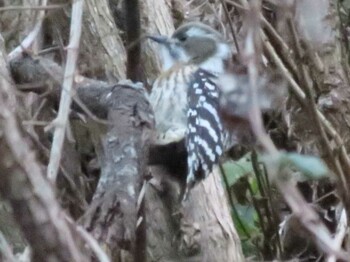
(183, 38)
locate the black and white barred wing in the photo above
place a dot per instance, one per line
(204, 140)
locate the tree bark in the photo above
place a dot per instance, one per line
(207, 205)
(121, 146)
(117, 206)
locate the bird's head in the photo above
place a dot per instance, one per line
(194, 43)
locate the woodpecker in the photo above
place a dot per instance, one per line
(185, 97)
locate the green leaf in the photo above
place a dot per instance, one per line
(311, 166)
(248, 218)
(246, 222)
(234, 170)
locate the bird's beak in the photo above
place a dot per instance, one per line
(160, 39)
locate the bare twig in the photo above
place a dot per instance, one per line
(6, 250)
(340, 233)
(283, 48)
(25, 255)
(34, 123)
(49, 50)
(307, 216)
(311, 221)
(25, 186)
(255, 113)
(301, 97)
(233, 3)
(22, 8)
(313, 107)
(233, 32)
(60, 123)
(29, 39)
(273, 34)
(89, 113)
(93, 244)
(25, 157)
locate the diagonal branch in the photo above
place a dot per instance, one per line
(29, 39)
(60, 123)
(306, 215)
(24, 186)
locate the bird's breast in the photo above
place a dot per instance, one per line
(169, 101)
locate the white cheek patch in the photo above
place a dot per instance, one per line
(171, 57)
(223, 51)
(167, 60)
(215, 64)
(182, 55)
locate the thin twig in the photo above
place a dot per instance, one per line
(233, 3)
(313, 107)
(273, 210)
(93, 244)
(232, 203)
(265, 194)
(23, 8)
(233, 32)
(340, 233)
(29, 39)
(90, 114)
(283, 47)
(60, 123)
(49, 50)
(307, 216)
(255, 113)
(6, 250)
(34, 123)
(311, 221)
(301, 97)
(41, 189)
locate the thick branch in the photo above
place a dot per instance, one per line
(113, 212)
(113, 215)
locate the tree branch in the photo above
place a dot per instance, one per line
(60, 123)
(24, 186)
